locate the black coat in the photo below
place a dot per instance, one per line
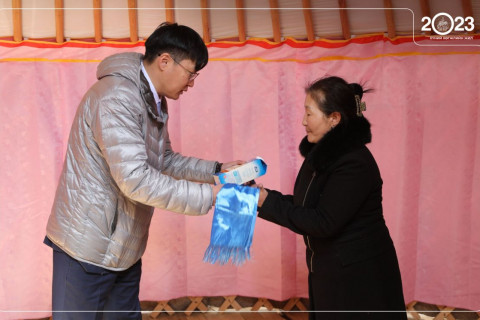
(337, 207)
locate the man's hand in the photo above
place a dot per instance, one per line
(228, 165)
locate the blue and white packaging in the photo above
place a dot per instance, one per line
(242, 173)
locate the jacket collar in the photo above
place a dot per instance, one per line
(150, 101)
(128, 66)
(336, 143)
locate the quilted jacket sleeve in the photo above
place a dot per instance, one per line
(117, 129)
(188, 168)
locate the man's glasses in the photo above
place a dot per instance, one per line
(193, 75)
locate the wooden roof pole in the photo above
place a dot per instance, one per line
(468, 11)
(169, 13)
(97, 19)
(307, 13)
(17, 20)
(205, 21)
(425, 12)
(59, 21)
(275, 20)
(389, 17)
(342, 4)
(241, 21)
(133, 20)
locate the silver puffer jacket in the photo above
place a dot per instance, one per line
(119, 165)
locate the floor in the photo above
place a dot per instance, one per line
(299, 315)
(416, 311)
(238, 315)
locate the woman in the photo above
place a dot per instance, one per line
(337, 207)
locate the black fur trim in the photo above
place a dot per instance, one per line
(336, 143)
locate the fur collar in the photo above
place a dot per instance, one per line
(336, 143)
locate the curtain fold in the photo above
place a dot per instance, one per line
(248, 102)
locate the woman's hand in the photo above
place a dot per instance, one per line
(262, 195)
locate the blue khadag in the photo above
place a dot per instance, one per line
(233, 225)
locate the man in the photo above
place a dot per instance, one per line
(119, 165)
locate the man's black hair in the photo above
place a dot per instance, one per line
(180, 41)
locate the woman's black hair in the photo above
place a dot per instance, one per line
(334, 94)
(180, 41)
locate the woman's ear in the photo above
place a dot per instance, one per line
(335, 118)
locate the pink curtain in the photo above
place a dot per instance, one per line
(248, 102)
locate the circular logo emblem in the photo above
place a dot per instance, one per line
(442, 23)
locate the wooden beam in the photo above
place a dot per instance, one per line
(133, 20)
(307, 14)
(468, 11)
(342, 4)
(97, 19)
(59, 21)
(169, 13)
(275, 20)
(241, 21)
(389, 17)
(262, 302)
(205, 21)
(467, 8)
(197, 303)
(425, 5)
(17, 20)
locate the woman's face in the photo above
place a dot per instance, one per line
(316, 123)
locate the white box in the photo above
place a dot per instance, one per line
(242, 173)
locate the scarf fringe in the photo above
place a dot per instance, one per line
(222, 255)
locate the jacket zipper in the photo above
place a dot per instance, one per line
(308, 238)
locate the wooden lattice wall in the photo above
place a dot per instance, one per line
(190, 307)
(415, 310)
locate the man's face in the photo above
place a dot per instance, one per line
(180, 75)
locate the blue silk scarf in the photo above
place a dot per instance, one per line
(233, 224)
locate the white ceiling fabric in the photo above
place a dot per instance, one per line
(366, 16)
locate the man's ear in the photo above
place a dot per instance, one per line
(163, 60)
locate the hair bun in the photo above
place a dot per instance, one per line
(357, 89)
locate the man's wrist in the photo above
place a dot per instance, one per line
(218, 167)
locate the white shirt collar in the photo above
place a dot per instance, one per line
(155, 94)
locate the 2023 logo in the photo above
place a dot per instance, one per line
(443, 23)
